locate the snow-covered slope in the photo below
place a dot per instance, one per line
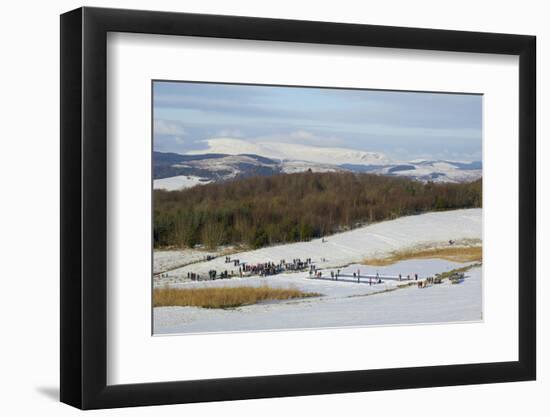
(294, 152)
(291, 167)
(167, 259)
(175, 172)
(231, 166)
(178, 182)
(436, 171)
(209, 167)
(355, 245)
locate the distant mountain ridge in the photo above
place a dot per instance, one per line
(175, 171)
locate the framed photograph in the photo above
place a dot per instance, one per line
(257, 208)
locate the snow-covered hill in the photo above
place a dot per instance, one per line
(192, 169)
(294, 152)
(174, 171)
(436, 171)
(179, 182)
(290, 167)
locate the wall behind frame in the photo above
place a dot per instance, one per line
(29, 168)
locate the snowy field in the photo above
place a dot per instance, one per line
(165, 260)
(170, 259)
(429, 229)
(179, 182)
(344, 304)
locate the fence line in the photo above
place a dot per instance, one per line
(363, 278)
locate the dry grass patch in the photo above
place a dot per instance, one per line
(223, 297)
(449, 253)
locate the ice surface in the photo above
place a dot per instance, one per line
(347, 304)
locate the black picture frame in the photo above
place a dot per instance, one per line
(84, 207)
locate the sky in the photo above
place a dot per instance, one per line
(402, 125)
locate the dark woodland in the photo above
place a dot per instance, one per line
(265, 210)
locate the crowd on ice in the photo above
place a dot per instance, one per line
(242, 269)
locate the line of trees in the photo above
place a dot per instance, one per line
(261, 211)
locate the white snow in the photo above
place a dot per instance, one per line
(451, 173)
(423, 171)
(292, 151)
(291, 167)
(344, 304)
(165, 260)
(353, 246)
(178, 182)
(228, 163)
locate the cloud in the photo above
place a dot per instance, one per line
(167, 127)
(230, 133)
(301, 137)
(169, 136)
(166, 143)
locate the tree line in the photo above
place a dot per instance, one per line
(261, 211)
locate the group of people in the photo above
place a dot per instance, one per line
(272, 268)
(262, 269)
(409, 277)
(427, 282)
(228, 260)
(212, 274)
(193, 277)
(357, 276)
(297, 264)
